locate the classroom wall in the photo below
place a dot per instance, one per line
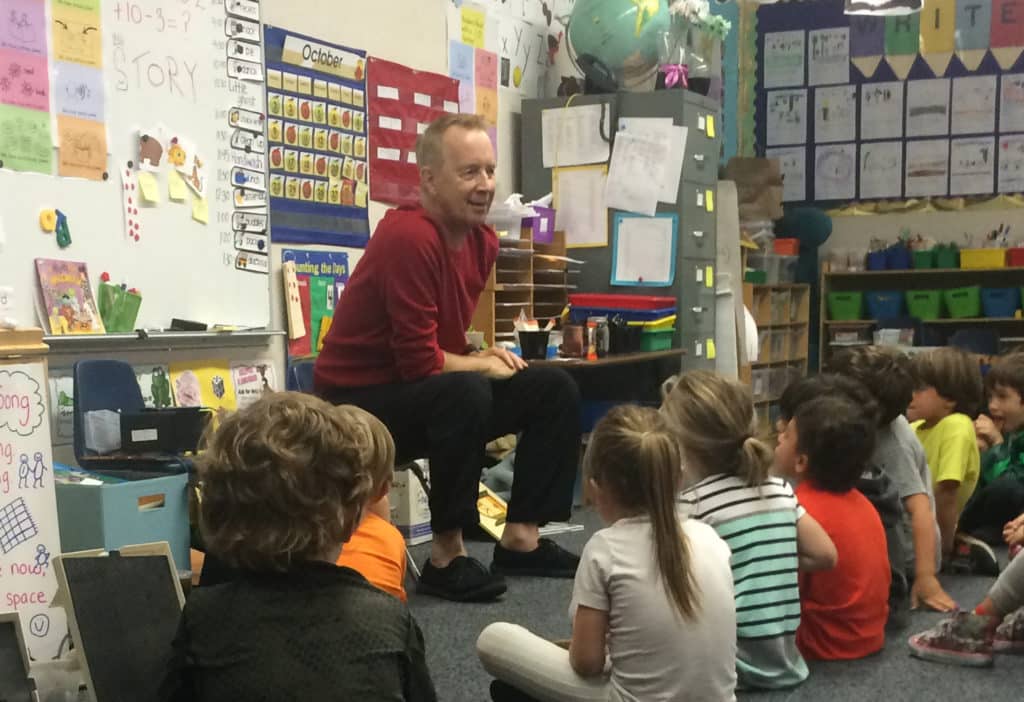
(411, 32)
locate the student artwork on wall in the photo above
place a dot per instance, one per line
(317, 129)
(403, 102)
(919, 105)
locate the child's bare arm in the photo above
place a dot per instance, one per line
(946, 513)
(589, 635)
(815, 548)
(926, 591)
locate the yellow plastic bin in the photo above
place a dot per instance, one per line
(982, 258)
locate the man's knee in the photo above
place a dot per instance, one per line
(468, 395)
(556, 386)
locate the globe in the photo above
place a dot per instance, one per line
(621, 34)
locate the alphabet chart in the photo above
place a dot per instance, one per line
(28, 509)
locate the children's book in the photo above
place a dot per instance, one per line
(68, 303)
(494, 513)
(203, 384)
(62, 408)
(155, 384)
(252, 380)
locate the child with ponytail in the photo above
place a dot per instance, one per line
(758, 516)
(652, 607)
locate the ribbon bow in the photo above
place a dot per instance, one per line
(676, 74)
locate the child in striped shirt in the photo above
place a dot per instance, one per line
(757, 515)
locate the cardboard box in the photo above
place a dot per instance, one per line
(410, 505)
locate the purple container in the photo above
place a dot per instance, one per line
(543, 225)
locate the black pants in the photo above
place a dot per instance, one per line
(449, 418)
(991, 507)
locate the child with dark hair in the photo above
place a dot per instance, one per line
(872, 483)
(824, 448)
(887, 375)
(945, 402)
(999, 496)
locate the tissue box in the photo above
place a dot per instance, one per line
(410, 505)
(100, 511)
(543, 225)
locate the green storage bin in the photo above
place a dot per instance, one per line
(924, 304)
(947, 256)
(963, 302)
(845, 306)
(756, 277)
(924, 259)
(660, 340)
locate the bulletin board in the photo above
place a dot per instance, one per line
(868, 108)
(93, 78)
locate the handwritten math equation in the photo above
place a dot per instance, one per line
(174, 16)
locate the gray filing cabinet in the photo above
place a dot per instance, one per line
(694, 285)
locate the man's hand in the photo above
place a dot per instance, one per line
(496, 369)
(988, 431)
(513, 362)
(928, 592)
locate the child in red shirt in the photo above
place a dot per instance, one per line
(825, 447)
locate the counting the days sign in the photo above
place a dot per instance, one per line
(29, 538)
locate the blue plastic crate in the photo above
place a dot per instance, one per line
(884, 304)
(876, 261)
(1000, 302)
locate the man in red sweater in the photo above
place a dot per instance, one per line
(397, 348)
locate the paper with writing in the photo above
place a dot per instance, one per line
(784, 59)
(673, 138)
(1011, 164)
(928, 107)
(881, 169)
(927, 168)
(974, 105)
(579, 205)
(828, 60)
(787, 117)
(1011, 102)
(635, 174)
(835, 114)
(972, 165)
(793, 167)
(881, 110)
(572, 135)
(835, 171)
(644, 250)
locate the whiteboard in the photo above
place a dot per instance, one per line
(164, 63)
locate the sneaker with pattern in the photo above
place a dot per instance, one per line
(1009, 636)
(963, 639)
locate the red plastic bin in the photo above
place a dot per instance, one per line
(621, 302)
(1015, 257)
(787, 247)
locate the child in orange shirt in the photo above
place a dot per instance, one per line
(377, 550)
(825, 447)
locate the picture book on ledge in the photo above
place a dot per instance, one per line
(66, 296)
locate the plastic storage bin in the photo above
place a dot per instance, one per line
(963, 302)
(780, 344)
(898, 258)
(1015, 257)
(845, 306)
(759, 379)
(876, 261)
(787, 247)
(982, 258)
(780, 306)
(1000, 302)
(884, 304)
(924, 259)
(787, 268)
(579, 315)
(777, 269)
(117, 514)
(947, 256)
(621, 301)
(656, 340)
(924, 304)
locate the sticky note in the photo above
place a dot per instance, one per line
(700, 274)
(709, 277)
(710, 130)
(176, 188)
(472, 27)
(698, 349)
(709, 200)
(711, 350)
(200, 210)
(148, 187)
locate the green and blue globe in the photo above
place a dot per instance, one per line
(619, 32)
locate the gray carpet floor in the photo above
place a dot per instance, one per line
(542, 606)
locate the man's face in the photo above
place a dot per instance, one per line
(463, 184)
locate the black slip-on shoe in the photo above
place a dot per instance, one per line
(465, 579)
(548, 560)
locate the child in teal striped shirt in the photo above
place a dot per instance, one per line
(758, 516)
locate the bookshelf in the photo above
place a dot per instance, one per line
(782, 313)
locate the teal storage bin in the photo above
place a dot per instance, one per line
(110, 515)
(657, 340)
(963, 302)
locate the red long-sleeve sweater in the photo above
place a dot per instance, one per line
(409, 300)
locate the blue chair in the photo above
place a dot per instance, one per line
(300, 376)
(112, 385)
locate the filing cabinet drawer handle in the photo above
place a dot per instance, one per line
(698, 234)
(699, 310)
(699, 158)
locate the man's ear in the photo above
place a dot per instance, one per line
(427, 179)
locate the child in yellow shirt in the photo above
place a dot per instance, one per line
(948, 395)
